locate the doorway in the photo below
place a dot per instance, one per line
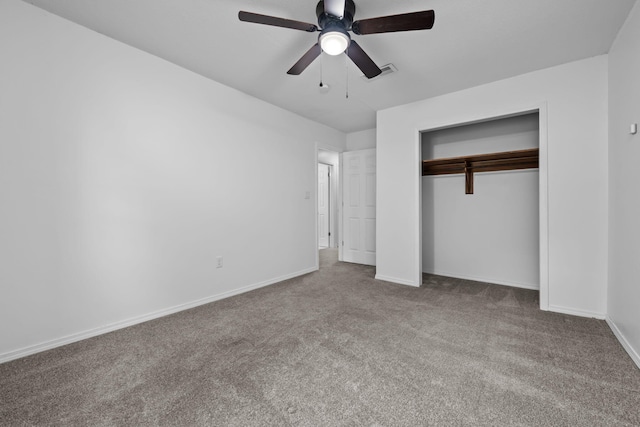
(328, 229)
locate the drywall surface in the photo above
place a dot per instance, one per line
(361, 140)
(328, 157)
(493, 234)
(573, 98)
(624, 198)
(123, 177)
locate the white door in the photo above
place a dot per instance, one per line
(323, 205)
(359, 210)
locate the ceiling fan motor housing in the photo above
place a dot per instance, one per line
(325, 19)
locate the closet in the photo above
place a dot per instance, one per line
(480, 201)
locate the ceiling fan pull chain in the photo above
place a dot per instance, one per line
(346, 67)
(321, 69)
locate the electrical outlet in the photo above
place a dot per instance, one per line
(219, 262)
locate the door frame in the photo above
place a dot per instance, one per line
(336, 198)
(543, 205)
(331, 206)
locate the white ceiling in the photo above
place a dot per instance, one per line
(472, 42)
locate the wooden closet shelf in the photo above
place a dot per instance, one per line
(492, 162)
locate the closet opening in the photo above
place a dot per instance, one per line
(481, 217)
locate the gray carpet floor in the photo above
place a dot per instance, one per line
(337, 347)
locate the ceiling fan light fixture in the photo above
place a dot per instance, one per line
(334, 42)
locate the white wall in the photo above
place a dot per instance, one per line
(624, 176)
(122, 177)
(493, 234)
(361, 140)
(573, 98)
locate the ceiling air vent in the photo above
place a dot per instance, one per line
(386, 70)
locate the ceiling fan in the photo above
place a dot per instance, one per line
(335, 20)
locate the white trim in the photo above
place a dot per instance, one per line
(332, 207)
(396, 280)
(576, 312)
(623, 340)
(341, 206)
(315, 204)
(337, 179)
(58, 342)
(543, 171)
(486, 280)
(543, 204)
(417, 147)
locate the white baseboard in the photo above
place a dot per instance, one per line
(486, 280)
(623, 340)
(576, 312)
(396, 280)
(68, 339)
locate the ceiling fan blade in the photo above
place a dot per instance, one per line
(362, 60)
(388, 24)
(306, 60)
(256, 18)
(334, 7)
